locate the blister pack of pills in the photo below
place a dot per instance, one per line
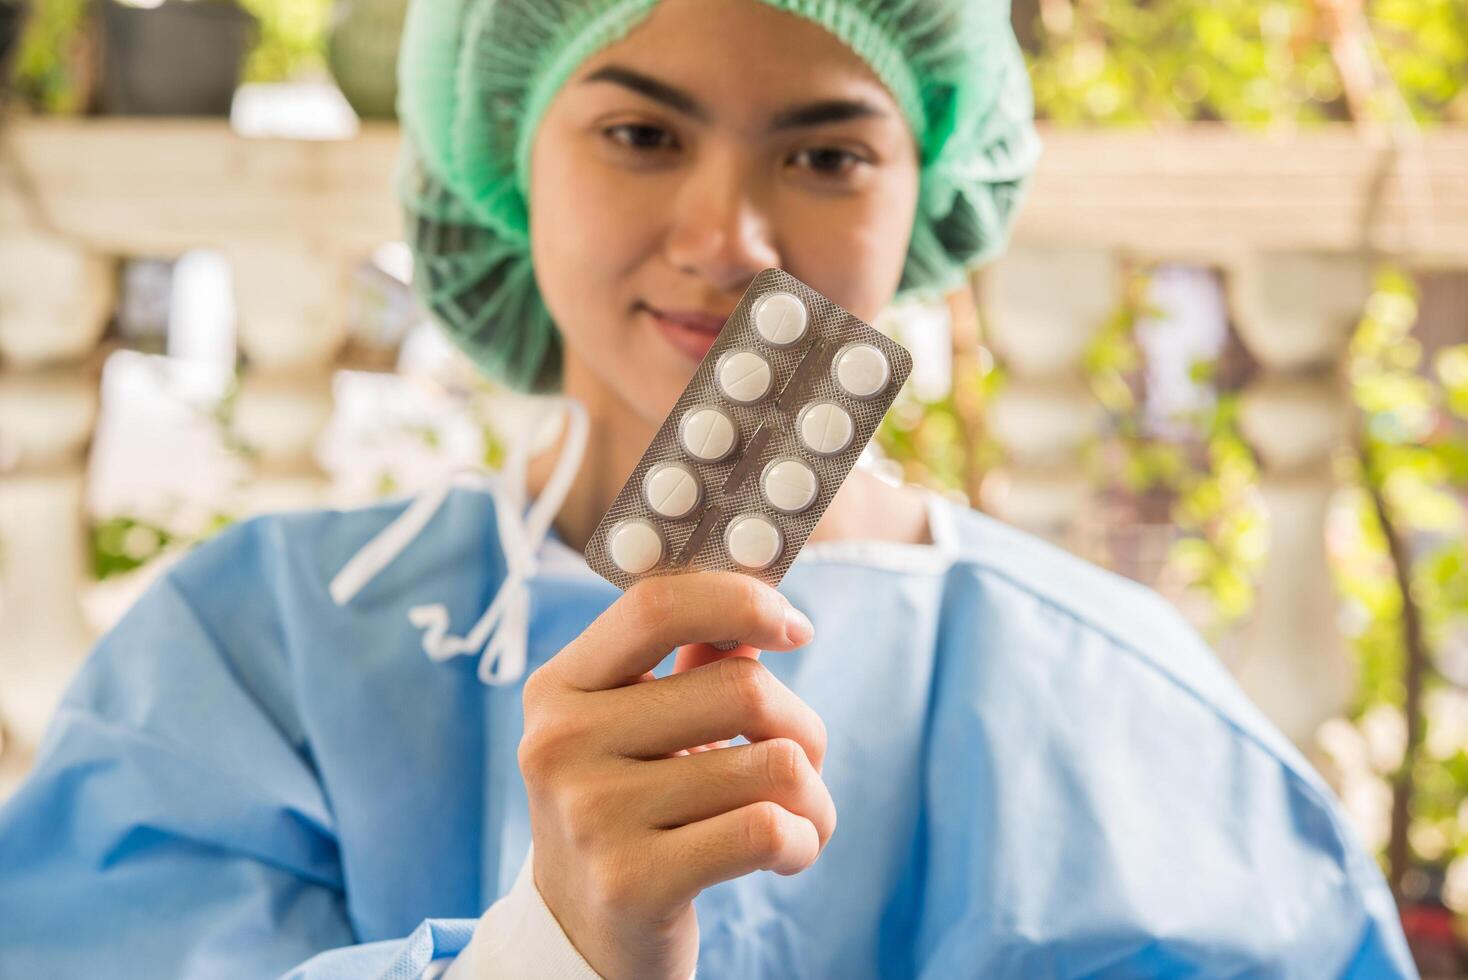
(758, 443)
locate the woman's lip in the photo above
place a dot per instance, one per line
(690, 342)
(692, 319)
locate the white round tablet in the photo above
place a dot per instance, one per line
(707, 434)
(780, 318)
(753, 541)
(861, 370)
(671, 490)
(635, 546)
(825, 428)
(744, 376)
(789, 485)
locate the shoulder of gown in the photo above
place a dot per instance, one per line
(1038, 577)
(1110, 754)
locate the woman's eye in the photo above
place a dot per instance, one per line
(830, 161)
(640, 136)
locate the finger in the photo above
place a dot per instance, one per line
(672, 792)
(692, 656)
(657, 614)
(760, 836)
(722, 700)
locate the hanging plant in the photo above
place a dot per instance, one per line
(53, 61)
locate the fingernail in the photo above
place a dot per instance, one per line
(798, 629)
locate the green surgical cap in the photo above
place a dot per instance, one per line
(476, 76)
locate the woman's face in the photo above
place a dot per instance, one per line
(719, 138)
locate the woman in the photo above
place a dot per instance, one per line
(1038, 770)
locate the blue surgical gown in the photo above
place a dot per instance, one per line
(1040, 771)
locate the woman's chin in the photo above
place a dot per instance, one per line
(657, 398)
(655, 378)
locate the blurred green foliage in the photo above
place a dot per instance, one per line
(1208, 474)
(1424, 46)
(292, 38)
(124, 543)
(52, 70)
(1414, 455)
(1246, 62)
(940, 442)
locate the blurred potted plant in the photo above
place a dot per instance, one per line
(176, 58)
(12, 16)
(362, 49)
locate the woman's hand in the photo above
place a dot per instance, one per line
(629, 826)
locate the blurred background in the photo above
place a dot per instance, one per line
(1227, 355)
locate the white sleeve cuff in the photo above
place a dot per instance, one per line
(519, 938)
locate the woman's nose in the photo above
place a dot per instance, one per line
(720, 230)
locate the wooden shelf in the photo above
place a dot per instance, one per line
(133, 187)
(1210, 193)
(141, 187)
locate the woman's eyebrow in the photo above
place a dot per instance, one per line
(823, 112)
(650, 87)
(796, 117)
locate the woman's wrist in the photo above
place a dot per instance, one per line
(519, 937)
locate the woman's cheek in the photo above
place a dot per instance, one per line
(852, 250)
(882, 239)
(611, 210)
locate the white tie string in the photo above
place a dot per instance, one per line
(503, 629)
